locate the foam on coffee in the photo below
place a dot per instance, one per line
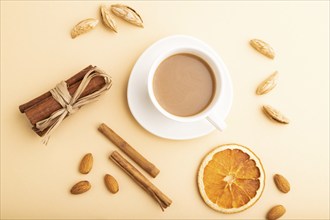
(184, 84)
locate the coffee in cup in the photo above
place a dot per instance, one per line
(185, 85)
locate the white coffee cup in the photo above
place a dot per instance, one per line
(209, 112)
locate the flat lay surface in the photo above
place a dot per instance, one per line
(37, 52)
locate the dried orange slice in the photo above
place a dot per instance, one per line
(231, 178)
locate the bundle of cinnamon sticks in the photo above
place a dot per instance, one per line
(44, 105)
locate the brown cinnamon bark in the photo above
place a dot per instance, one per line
(129, 150)
(141, 180)
(43, 106)
(74, 79)
(46, 107)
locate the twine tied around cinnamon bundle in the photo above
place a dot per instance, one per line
(70, 104)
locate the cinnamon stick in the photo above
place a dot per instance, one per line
(129, 150)
(141, 180)
(43, 106)
(74, 79)
(46, 107)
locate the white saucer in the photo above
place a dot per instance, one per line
(147, 115)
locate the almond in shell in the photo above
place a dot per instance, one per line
(276, 212)
(80, 187)
(86, 164)
(263, 48)
(107, 20)
(128, 14)
(275, 114)
(84, 26)
(268, 84)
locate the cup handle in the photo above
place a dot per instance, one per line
(216, 121)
